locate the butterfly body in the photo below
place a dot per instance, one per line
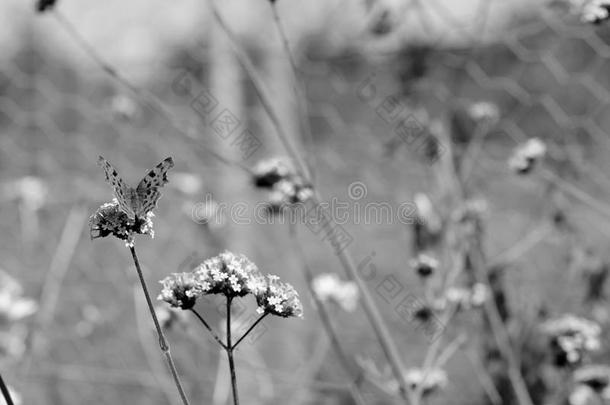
(138, 201)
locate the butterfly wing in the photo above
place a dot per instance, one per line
(147, 192)
(122, 192)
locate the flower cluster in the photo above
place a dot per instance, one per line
(180, 290)
(232, 276)
(592, 385)
(527, 155)
(329, 287)
(286, 186)
(13, 306)
(424, 265)
(467, 298)
(431, 381)
(484, 112)
(228, 274)
(44, 5)
(591, 11)
(109, 219)
(277, 298)
(571, 338)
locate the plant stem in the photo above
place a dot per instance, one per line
(500, 333)
(260, 90)
(229, 350)
(328, 325)
(249, 330)
(207, 326)
(5, 392)
(165, 349)
(298, 88)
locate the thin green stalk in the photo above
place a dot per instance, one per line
(298, 85)
(5, 392)
(260, 318)
(260, 90)
(165, 349)
(501, 335)
(380, 328)
(229, 350)
(207, 326)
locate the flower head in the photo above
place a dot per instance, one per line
(13, 305)
(180, 290)
(109, 219)
(527, 155)
(286, 186)
(484, 112)
(229, 274)
(424, 265)
(467, 298)
(44, 5)
(571, 338)
(277, 298)
(432, 380)
(329, 287)
(595, 376)
(591, 11)
(270, 171)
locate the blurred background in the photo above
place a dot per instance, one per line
(82, 333)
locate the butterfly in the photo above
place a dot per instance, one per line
(137, 202)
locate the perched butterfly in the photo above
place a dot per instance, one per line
(137, 202)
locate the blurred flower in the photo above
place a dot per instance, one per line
(484, 112)
(424, 265)
(287, 187)
(187, 183)
(571, 337)
(229, 274)
(527, 155)
(596, 377)
(91, 317)
(466, 298)
(583, 395)
(277, 298)
(109, 219)
(288, 192)
(12, 341)
(428, 226)
(591, 11)
(180, 290)
(123, 107)
(426, 213)
(432, 380)
(329, 287)
(170, 316)
(14, 307)
(31, 191)
(44, 5)
(270, 171)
